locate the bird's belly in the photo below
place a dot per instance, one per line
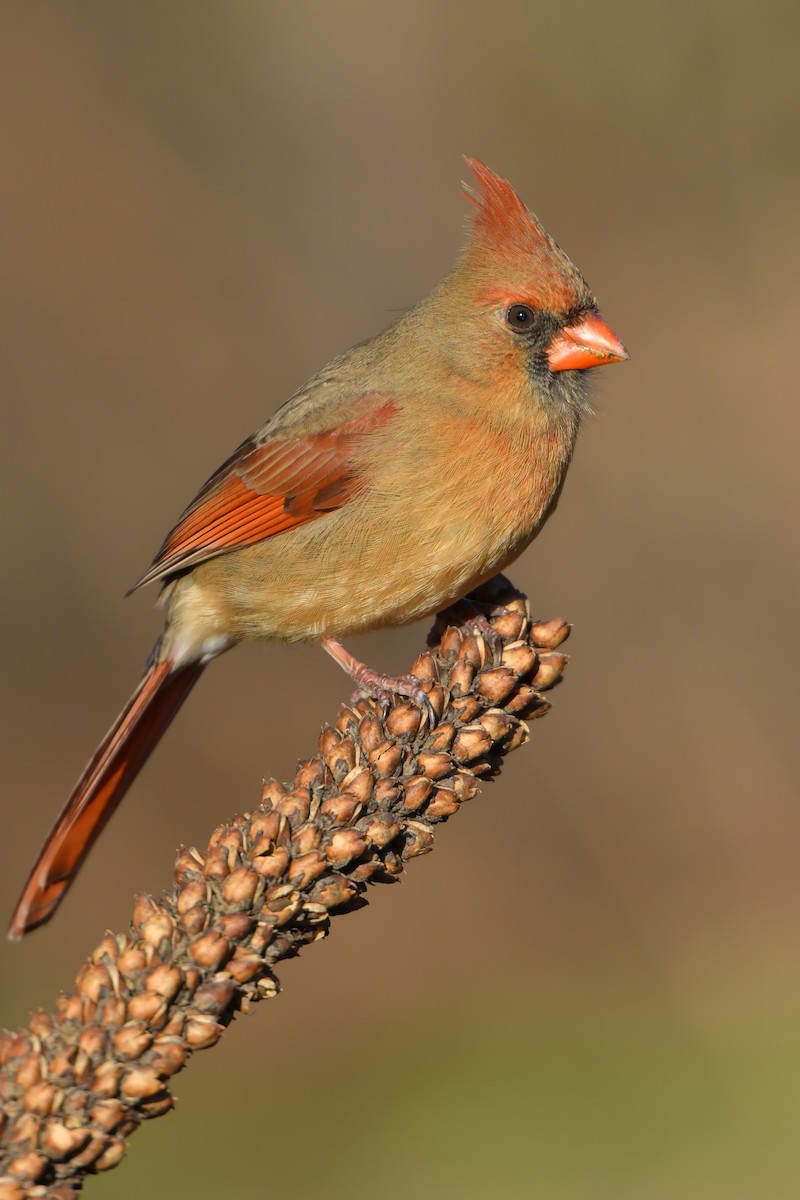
(338, 576)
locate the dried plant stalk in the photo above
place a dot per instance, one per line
(78, 1081)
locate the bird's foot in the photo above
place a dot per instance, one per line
(475, 615)
(382, 687)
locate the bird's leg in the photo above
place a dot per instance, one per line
(382, 687)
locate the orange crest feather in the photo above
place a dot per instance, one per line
(510, 244)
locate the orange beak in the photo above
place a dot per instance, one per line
(587, 343)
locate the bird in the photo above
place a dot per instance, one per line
(408, 471)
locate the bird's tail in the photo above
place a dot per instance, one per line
(107, 777)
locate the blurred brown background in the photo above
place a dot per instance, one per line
(592, 987)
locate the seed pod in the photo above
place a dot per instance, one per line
(304, 869)
(497, 684)
(108, 1114)
(164, 979)
(435, 765)
(341, 808)
(443, 805)
(461, 676)
(343, 846)
(244, 965)
(520, 657)
(111, 1156)
(379, 828)
(549, 634)
(450, 644)
(442, 736)
(416, 790)
(240, 886)
(550, 669)
(424, 668)
(498, 724)
(29, 1071)
(403, 721)
(201, 1032)
(333, 890)
(358, 783)
(148, 1007)
(384, 758)
(471, 742)
(132, 1039)
(210, 950)
(60, 1143)
(29, 1167)
(272, 866)
(214, 996)
(370, 732)
(38, 1098)
(188, 865)
(510, 625)
(237, 925)
(295, 806)
(311, 774)
(131, 961)
(419, 839)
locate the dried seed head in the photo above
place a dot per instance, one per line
(424, 668)
(240, 886)
(306, 868)
(550, 669)
(549, 634)
(60, 1143)
(111, 1156)
(165, 980)
(450, 643)
(384, 758)
(210, 950)
(510, 625)
(418, 838)
(443, 804)
(132, 1039)
(435, 765)
(461, 676)
(272, 866)
(28, 1167)
(306, 838)
(311, 774)
(201, 1032)
(92, 980)
(497, 684)
(358, 783)
(380, 828)
(38, 1099)
(470, 743)
(343, 846)
(333, 890)
(520, 657)
(370, 732)
(498, 724)
(341, 808)
(403, 721)
(416, 790)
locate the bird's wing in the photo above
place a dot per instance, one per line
(267, 488)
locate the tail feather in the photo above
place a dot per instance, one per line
(107, 777)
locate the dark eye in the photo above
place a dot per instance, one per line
(520, 317)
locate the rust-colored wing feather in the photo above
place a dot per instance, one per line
(268, 488)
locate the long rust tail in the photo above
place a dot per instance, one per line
(107, 777)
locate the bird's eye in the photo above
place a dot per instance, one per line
(520, 317)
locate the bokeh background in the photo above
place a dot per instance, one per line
(592, 988)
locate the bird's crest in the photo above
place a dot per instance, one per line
(502, 228)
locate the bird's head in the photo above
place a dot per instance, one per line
(534, 306)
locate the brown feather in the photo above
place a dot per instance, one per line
(107, 777)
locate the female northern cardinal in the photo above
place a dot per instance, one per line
(410, 470)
